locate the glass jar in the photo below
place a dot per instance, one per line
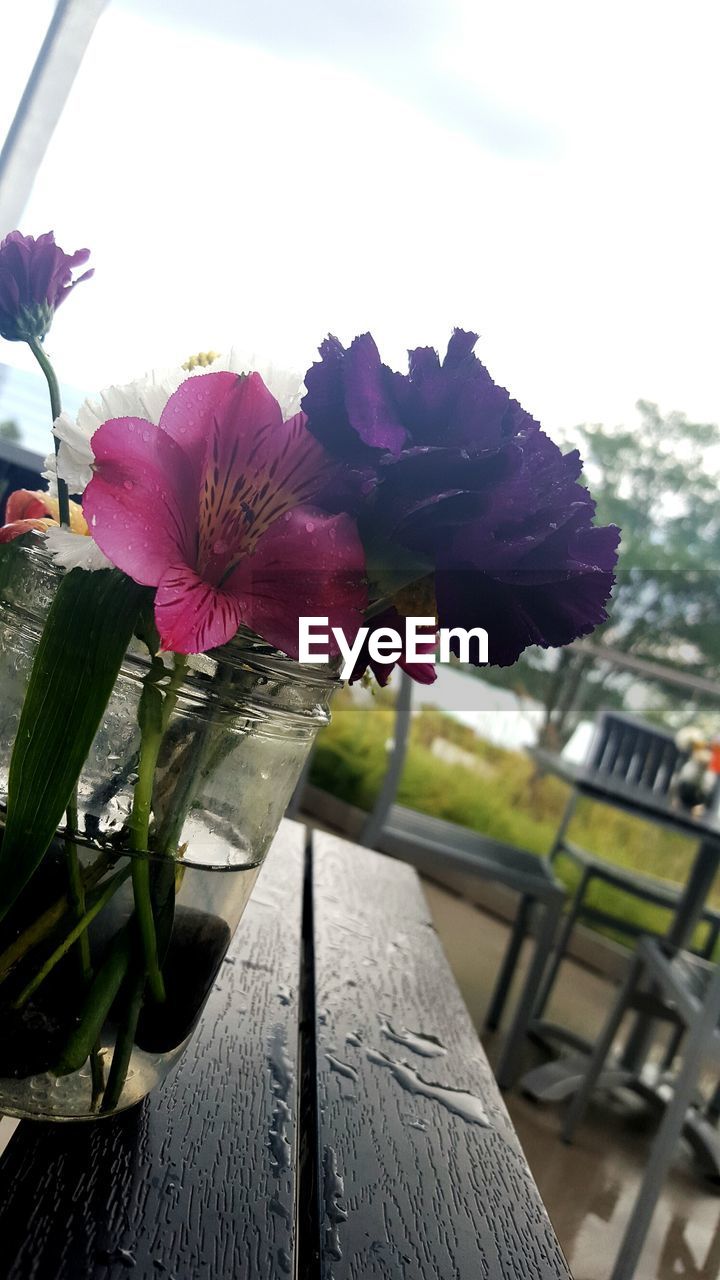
(81, 1032)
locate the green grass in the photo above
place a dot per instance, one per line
(498, 794)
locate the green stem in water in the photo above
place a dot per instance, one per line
(155, 711)
(56, 409)
(38, 931)
(102, 993)
(76, 888)
(124, 1044)
(97, 1076)
(62, 950)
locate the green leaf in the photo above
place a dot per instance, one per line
(88, 628)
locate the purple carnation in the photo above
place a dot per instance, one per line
(35, 277)
(464, 479)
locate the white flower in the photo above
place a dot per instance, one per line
(146, 397)
(74, 550)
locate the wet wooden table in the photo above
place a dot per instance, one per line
(335, 1117)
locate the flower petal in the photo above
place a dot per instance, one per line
(308, 564)
(35, 277)
(27, 504)
(71, 551)
(421, 672)
(75, 456)
(189, 414)
(191, 615)
(285, 385)
(146, 397)
(258, 467)
(370, 404)
(350, 401)
(8, 532)
(545, 599)
(141, 504)
(24, 504)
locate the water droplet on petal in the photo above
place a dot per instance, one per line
(128, 484)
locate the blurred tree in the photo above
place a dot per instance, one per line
(660, 482)
(9, 430)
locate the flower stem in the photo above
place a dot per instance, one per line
(152, 733)
(124, 1044)
(76, 888)
(44, 924)
(102, 993)
(139, 830)
(63, 948)
(56, 409)
(97, 1075)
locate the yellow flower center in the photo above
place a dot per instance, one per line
(201, 360)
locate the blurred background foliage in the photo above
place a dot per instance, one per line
(491, 790)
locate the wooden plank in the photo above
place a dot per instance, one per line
(198, 1181)
(420, 1172)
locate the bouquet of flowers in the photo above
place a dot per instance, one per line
(151, 601)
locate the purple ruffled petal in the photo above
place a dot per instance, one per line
(476, 489)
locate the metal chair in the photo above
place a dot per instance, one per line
(646, 757)
(684, 990)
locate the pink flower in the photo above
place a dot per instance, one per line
(211, 507)
(36, 275)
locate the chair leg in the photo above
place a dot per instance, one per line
(666, 1141)
(526, 1008)
(598, 1057)
(673, 1048)
(712, 1110)
(708, 951)
(565, 821)
(561, 946)
(509, 964)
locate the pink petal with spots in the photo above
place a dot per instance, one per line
(141, 504)
(258, 468)
(191, 615)
(307, 564)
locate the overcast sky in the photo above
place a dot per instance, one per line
(544, 173)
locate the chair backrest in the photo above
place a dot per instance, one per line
(633, 751)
